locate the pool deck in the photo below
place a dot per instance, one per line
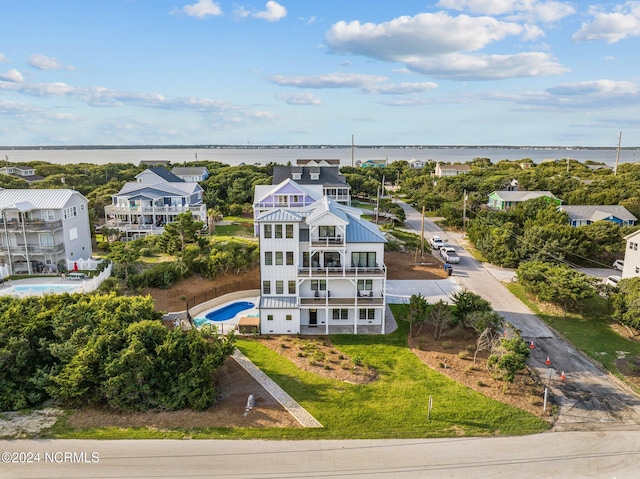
(53, 280)
(230, 323)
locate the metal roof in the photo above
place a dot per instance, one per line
(597, 212)
(39, 199)
(279, 215)
(189, 170)
(522, 195)
(278, 302)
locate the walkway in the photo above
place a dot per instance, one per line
(298, 412)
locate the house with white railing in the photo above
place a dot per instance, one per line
(322, 270)
(42, 229)
(156, 198)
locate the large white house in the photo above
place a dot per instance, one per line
(156, 198)
(40, 229)
(631, 266)
(322, 269)
(333, 183)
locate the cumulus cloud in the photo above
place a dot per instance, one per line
(12, 75)
(611, 27)
(300, 98)
(272, 13)
(202, 8)
(441, 45)
(404, 88)
(531, 10)
(43, 62)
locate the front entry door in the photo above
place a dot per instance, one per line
(313, 318)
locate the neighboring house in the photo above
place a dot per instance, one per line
(155, 163)
(322, 271)
(631, 266)
(329, 178)
(417, 164)
(372, 163)
(321, 162)
(191, 173)
(586, 214)
(156, 198)
(506, 200)
(41, 228)
(27, 173)
(450, 170)
(288, 194)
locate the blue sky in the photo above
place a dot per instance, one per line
(456, 72)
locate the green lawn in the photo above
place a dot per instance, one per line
(394, 406)
(590, 331)
(244, 230)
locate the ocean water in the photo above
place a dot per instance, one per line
(284, 155)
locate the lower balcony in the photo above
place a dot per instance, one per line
(325, 299)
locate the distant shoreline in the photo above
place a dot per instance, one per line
(308, 147)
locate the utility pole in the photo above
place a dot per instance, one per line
(422, 234)
(615, 170)
(464, 211)
(352, 152)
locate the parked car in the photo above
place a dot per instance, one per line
(612, 280)
(436, 242)
(449, 254)
(618, 264)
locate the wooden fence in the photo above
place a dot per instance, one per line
(222, 290)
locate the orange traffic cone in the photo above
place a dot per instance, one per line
(548, 361)
(562, 376)
(531, 346)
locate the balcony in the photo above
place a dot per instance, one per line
(339, 272)
(158, 210)
(327, 242)
(325, 298)
(33, 249)
(31, 225)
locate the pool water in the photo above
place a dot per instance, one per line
(229, 311)
(40, 288)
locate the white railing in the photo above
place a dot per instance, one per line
(90, 285)
(4, 271)
(90, 264)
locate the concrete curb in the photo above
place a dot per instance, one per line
(298, 412)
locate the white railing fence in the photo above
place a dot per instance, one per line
(90, 264)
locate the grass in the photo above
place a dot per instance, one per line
(243, 230)
(394, 406)
(590, 331)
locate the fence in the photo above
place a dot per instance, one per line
(84, 264)
(221, 290)
(95, 282)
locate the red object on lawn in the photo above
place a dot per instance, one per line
(75, 266)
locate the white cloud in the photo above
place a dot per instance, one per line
(596, 88)
(43, 62)
(440, 45)
(611, 27)
(3, 59)
(12, 75)
(531, 10)
(300, 98)
(274, 12)
(202, 8)
(405, 88)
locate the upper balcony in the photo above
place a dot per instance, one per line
(30, 225)
(327, 242)
(150, 210)
(340, 272)
(326, 298)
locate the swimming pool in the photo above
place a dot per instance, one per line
(37, 289)
(225, 313)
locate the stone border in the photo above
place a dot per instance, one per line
(298, 412)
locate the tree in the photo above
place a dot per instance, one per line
(440, 316)
(508, 356)
(625, 303)
(417, 312)
(123, 256)
(177, 234)
(467, 302)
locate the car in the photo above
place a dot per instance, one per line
(612, 281)
(618, 264)
(436, 242)
(449, 255)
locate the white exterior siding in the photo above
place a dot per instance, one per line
(631, 266)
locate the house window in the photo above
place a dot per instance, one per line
(279, 287)
(365, 284)
(367, 314)
(340, 314)
(278, 258)
(327, 231)
(318, 284)
(266, 287)
(68, 213)
(289, 231)
(305, 259)
(268, 258)
(292, 287)
(637, 269)
(315, 176)
(364, 259)
(268, 231)
(73, 233)
(296, 176)
(269, 317)
(288, 317)
(46, 239)
(278, 232)
(47, 215)
(296, 199)
(282, 200)
(289, 258)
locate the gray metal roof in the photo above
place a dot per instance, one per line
(278, 302)
(167, 189)
(329, 175)
(279, 215)
(40, 199)
(189, 170)
(522, 195)
(165, 174)
(597, 212)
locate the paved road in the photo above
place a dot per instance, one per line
(589, 397)
(568, 455)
